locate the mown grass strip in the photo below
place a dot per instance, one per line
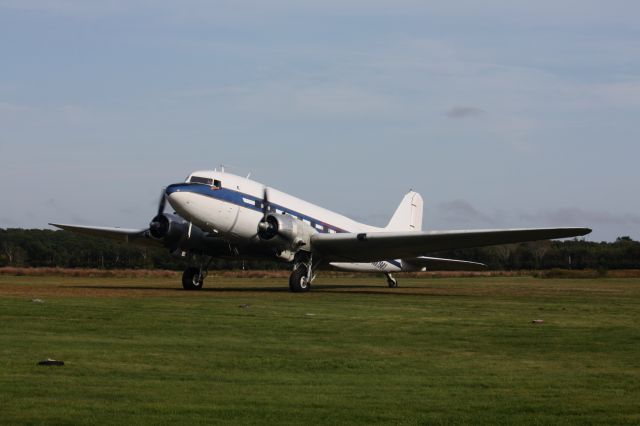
(448, 351)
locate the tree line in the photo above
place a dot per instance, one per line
(48, 248)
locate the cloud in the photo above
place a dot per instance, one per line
(6, 222)
(11, 108)
(78, 115)
(464, 112)
(503, 11)
(462, 212)
(211, 92)
(337, 100)
(51, 202)
(66, 7)
(620, 94)
(279, 99)
(578, 217)
(66, 114)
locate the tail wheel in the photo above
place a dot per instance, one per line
(298, 281)
(192, 279)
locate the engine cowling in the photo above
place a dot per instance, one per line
(168, 227)
(173, 231)
(286, 234)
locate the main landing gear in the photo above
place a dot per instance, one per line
(193, 277)
(302, 276)
(391, 282)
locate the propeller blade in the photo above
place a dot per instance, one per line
(163, 201)
(263, 226)
(265, 203)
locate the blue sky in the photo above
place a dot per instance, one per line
(500, 113)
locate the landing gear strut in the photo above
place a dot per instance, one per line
(302, 275)
(391, 282)
(193, 277)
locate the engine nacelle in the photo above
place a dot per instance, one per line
(168, 228)
(173, 231)
(286, 234)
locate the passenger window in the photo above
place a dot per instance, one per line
(217, 184)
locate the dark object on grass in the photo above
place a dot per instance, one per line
(50, 361)
(244, 306)
(538, 321)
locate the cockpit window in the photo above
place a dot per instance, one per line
(217, 184)
(198, 179)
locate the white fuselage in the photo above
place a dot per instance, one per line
(231, 206)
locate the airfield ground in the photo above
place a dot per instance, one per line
(352, 351)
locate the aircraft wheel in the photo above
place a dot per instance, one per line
(298, 282)
(191, 279)
(392, 282)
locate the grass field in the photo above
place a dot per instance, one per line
(246, 351)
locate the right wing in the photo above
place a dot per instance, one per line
(376, 246)
(136, 236)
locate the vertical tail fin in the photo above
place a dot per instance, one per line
(408, 215)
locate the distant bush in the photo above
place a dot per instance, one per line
(41, 248)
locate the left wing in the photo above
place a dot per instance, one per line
(139, 236)
(375, 246)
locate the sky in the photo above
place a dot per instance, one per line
(501, 113)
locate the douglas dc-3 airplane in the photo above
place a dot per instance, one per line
(219, 214)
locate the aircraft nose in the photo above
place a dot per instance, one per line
(172, 189)
(175, 194)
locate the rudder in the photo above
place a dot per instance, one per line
(408, 215)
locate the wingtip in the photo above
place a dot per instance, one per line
(578, 231)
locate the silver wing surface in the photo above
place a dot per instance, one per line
(136, 236)
(376, 246)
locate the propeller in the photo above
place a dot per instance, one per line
(265, 203)
(159, 224)
(268, 227)
(163, 200)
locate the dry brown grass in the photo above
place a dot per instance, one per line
(84, 272)
(283, 274)
(624, 273)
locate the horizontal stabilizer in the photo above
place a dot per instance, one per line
(440, 264)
